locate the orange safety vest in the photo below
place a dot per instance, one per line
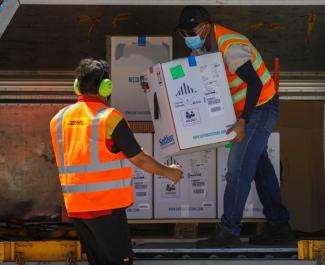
(238, 88)
(92, 178)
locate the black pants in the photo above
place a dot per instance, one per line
(106, 239)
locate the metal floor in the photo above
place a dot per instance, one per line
(177, 253)
(189, 251)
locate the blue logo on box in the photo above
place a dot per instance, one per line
(134, 79)
(167, 140)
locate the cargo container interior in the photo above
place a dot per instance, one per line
(43, 44)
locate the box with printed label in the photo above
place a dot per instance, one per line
(142, 183)
(129, 56)
(253, 207)
(190, 104)
(195, 195)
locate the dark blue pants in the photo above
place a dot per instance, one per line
(248, 161)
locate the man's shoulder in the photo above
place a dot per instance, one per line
(113, 112)
(228, 30)
(114, 117)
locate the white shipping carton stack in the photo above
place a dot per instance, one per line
(142, 183)
(253, 207)
(195, 195)
(129, 56)
(190, 104)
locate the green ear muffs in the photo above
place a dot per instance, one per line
(105, 87)
(75, 87)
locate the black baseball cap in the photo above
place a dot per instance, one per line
(191, 16)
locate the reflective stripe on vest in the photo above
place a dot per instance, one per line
(257, 64)
(226, 37)
(96, 165)
(59, 135)
(240, 95)
(238, 88)
(101, 186)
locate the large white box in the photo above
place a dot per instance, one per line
(253, 207)
(129, 56)
(195, 195)
(190, 104)
(142, 183)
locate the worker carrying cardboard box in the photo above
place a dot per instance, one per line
(256, 106)
(93, 147)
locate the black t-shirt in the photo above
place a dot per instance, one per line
(124, 140)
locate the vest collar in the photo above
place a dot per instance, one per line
(88, 98)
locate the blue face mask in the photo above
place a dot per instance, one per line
(194, 42)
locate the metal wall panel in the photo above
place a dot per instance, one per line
(35, 90)
(29, 183)
(56, 37)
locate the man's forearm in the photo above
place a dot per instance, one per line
(149, 164)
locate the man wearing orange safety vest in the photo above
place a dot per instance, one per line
(256, 106)
(93, 147)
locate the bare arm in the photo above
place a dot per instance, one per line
(149, 164)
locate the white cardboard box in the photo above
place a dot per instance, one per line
(253, 207)
(195, 195)
(190, 104)
(142, 183)
(129, 57)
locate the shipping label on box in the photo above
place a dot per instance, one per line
(195, 195)
(253, 207)
(129, 57)
(190, 104)
(142, 183)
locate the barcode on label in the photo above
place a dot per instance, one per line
(213, 101)
(141, 194)
(140, 186)
(198, 191)
(144, 206)
(215, 109)
(198, 184)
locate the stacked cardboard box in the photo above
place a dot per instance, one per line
(129, 56)
(253, 207)
(142, 183)
(195, 195)
(190, 104)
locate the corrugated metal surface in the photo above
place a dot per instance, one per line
(42, 37)
(302, 86)
(14, 89)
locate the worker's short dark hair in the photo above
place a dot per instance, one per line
(90, 73)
